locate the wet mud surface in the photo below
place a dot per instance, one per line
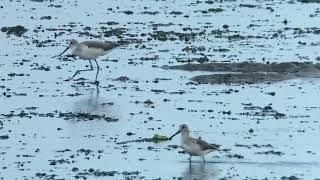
(55, 128)
(248, 72)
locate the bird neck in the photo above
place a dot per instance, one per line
(185, 135)
(75, 49)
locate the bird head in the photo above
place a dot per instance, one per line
(183, 129)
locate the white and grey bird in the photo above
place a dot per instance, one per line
(90, 50)
(193, 146)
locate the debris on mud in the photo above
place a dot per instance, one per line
(115, 32)
(211, 10)
(158, 137)
(45, 176)
(53, 162)
(15, 30)
(100, 173)
(248, 5)
(148, 102)
(309, 1)
(122, 79)
(4, 137)
(254, 145)
(42, 68)
(272, 152)
(289, 178)
(261, 111)
(237, 156)
(15, 74)
(65, 115)
(85, 117)
(154, 140)
(46, 18)
(173, 36)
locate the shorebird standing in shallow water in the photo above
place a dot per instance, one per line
(90, 50)
(193, 146)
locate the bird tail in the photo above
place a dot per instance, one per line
(125, 42)
(215, 146)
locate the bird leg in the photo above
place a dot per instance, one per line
(78, 71)
(98, 69)
(204, 160)
(190, 159)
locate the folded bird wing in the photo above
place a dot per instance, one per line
(205, 146)
(105, 45)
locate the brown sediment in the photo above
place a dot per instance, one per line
(250, 72)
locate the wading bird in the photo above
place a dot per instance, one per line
(90, 50)
(193, 146)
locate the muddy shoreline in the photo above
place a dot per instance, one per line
(55, 127)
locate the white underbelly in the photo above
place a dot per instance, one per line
(192, 150)
(195, 150)
(91, 53)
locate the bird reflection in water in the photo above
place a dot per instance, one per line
(199, 171)
(93, 104)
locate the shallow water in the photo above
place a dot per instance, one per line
(217, 113)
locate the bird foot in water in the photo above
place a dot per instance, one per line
(96, 83)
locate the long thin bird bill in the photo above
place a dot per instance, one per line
(60, 53)
(174, 134)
